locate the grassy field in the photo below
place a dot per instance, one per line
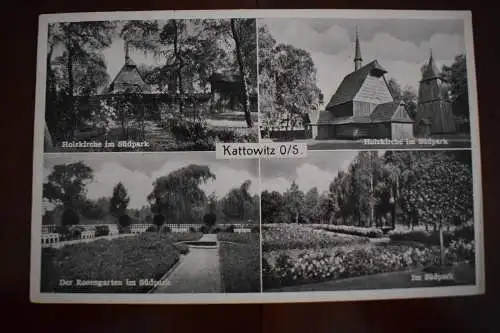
(239, 262)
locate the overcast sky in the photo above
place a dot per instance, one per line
(401, 46)
(318, 170)
(137, 173)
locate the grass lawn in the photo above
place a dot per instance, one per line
(239, 262)
(107, 265)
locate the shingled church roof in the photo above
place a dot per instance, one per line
(391, 111)
(128, 80)
(352, 83)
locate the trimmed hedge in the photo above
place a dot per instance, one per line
(432, 237)
(355, 231)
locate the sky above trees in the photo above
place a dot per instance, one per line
(401, 46)
(138, 174)
(317, 170)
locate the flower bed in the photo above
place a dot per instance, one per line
(432, 237)
(286, 268)
(351, 230)
(461, 251)
(110, 263)
(240, 265)
(292, 236)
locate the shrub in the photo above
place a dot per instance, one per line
(69, 217)
(355, 231)
(230, 229)
(152, 228)
(74, 232)
(165, 229)
(191, 229)
(255, 229)
(124, 220)
(216, 230)
(101, 230)
(62, 230)
(209, 219)
(182, 248)
(461, 250)
(124, 230)
(204, 229)
(158, 220)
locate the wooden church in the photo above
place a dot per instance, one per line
(363, 107)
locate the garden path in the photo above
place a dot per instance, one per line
(198, 271)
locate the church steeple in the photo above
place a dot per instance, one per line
(430, 71)
(357, 55)
(128, 60)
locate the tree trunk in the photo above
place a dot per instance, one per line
(239, 57)
(179, 66)
(47, 139)
(441, 246)
(69, 66)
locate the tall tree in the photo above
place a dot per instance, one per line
(173, 34)
(119, 200)
(267, 80)
(176, 194)
(238, 203)
(66, 185)
(311, 205)
(456, 76)
(296, 89)
(407, 95)
(294, 203)
(81, 66)
(272, 207)
(238, 34)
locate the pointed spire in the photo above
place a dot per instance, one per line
(126, 51)
(128, 60)
(430, 71)
(357, 55)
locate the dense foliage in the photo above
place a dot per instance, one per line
(433, 189)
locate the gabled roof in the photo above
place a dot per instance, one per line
(392, 111)
(351, 84)
(128, 79)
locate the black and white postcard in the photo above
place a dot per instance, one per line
(256, 156)
(150, 85)
(358, 83)
(176, 223)
(351, 220)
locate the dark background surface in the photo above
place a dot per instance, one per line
(19, 35)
